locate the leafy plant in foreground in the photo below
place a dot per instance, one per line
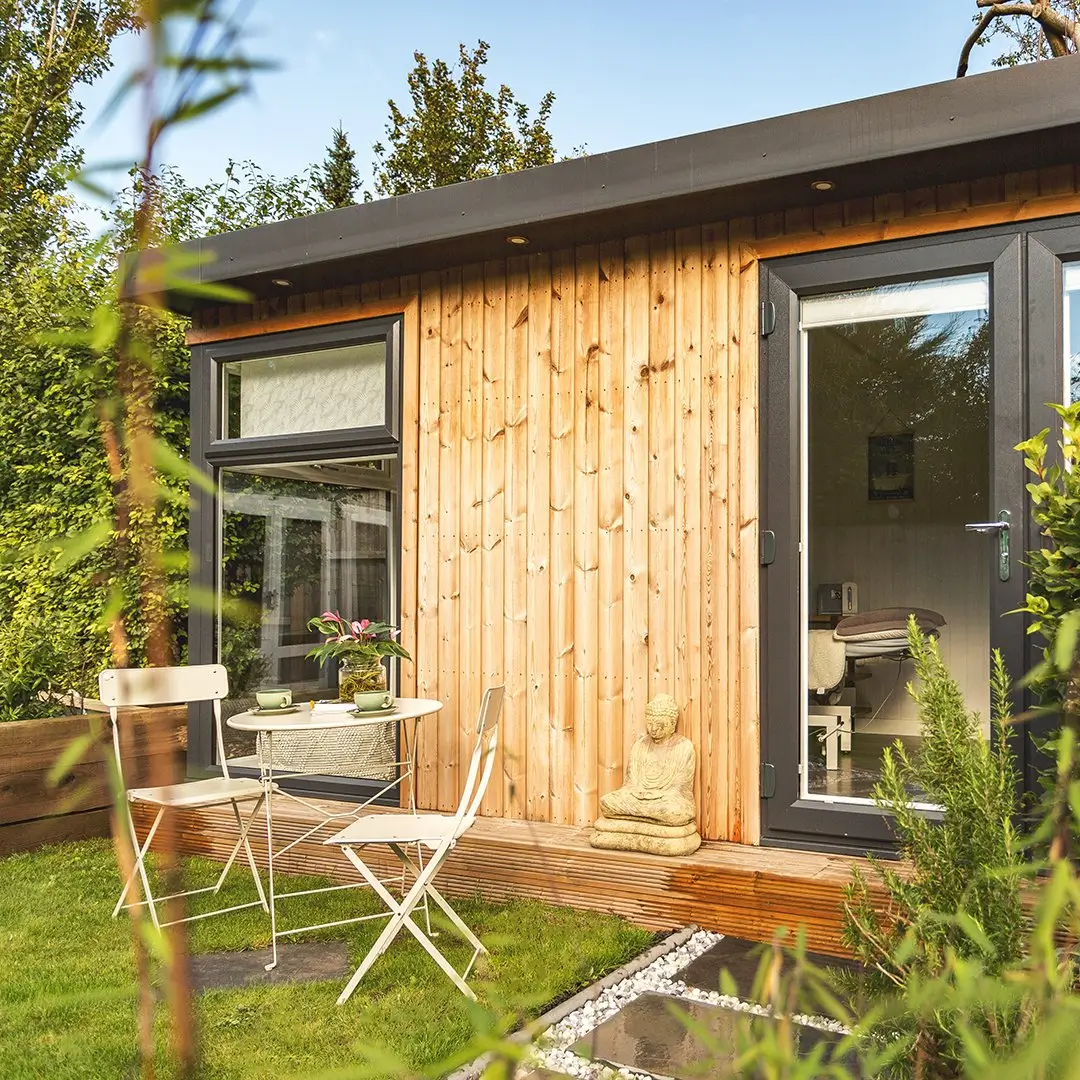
(960, 896)
(1052, 602)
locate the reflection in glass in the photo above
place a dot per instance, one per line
(897, 392)
(298, 539)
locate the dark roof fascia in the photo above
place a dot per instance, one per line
(1031, 108)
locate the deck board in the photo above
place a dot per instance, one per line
(736, 889)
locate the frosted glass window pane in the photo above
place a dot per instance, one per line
(320, 390)
(908, 299)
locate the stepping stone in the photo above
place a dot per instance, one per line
(298, 963)
(741, 959)
(653, 1034)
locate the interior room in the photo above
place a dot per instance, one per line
(897, 406)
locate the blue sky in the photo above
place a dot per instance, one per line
(623, 73)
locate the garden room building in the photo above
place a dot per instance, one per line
(654, 421)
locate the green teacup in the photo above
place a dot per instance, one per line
(370, 700)
(274, 699)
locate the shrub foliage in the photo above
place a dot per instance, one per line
(959, 895)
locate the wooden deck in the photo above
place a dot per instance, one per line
(745, 891)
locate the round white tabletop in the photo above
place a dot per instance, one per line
(306, 719)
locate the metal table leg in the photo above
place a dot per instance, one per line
(268, 785)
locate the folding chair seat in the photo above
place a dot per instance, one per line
(121, 688)
(427, 829)
(213, 791)
(439, 834)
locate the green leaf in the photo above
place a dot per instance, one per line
(193, 109)
(206, 290)
(73, 753)
(1065, 640)
(72, 549)
(105, 328)
(168, 461)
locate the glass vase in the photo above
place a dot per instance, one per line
(360, 673)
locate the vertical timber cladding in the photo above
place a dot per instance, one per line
(579, 511)
(579, 472)
(585, 515)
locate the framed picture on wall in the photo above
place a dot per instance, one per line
(891, 467)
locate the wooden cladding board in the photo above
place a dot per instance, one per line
(732, 888)
(580, 432)
(580, 489)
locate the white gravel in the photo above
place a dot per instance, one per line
(552, 1049)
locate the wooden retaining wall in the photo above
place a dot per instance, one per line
(34, 812)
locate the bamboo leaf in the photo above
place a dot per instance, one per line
(206, 290)
(105, 328)
(1068, 633)
(168, 461)
(72, 754)
(72, 549)
(192, 110)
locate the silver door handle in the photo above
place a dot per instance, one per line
(1000, 529)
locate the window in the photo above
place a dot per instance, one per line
(303, 444)
(298, 539)
(318, 390)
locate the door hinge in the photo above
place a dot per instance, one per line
(768, 547)
(768, 780)
(768, 317)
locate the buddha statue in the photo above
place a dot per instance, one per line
(654, 810)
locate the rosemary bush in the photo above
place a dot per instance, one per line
(959, 897)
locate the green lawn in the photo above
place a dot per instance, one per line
(67, 1001)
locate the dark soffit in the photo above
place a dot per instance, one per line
(1020, 118)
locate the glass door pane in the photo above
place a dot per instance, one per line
(895, 396)
(1071, 327)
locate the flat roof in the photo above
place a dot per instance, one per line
(1024, 117)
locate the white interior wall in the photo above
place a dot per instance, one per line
(925, 565)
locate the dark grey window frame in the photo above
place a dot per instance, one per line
(1050, 245)
(210, 453)
(1017, 380)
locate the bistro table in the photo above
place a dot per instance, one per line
(306, 718)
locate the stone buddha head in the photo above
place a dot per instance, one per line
(661, 717)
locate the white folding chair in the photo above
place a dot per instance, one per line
(121, 688)
(436, 832)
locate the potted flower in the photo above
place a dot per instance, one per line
(360, 646)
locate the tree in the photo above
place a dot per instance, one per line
(244, 198)
(337, 178)
(48, 48)
(458, 130)
(1038, 31)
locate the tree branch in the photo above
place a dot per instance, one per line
(1057, 29)
(973, 37)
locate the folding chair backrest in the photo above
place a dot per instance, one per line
(483, 758)
(124, 687)
(121, 688)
